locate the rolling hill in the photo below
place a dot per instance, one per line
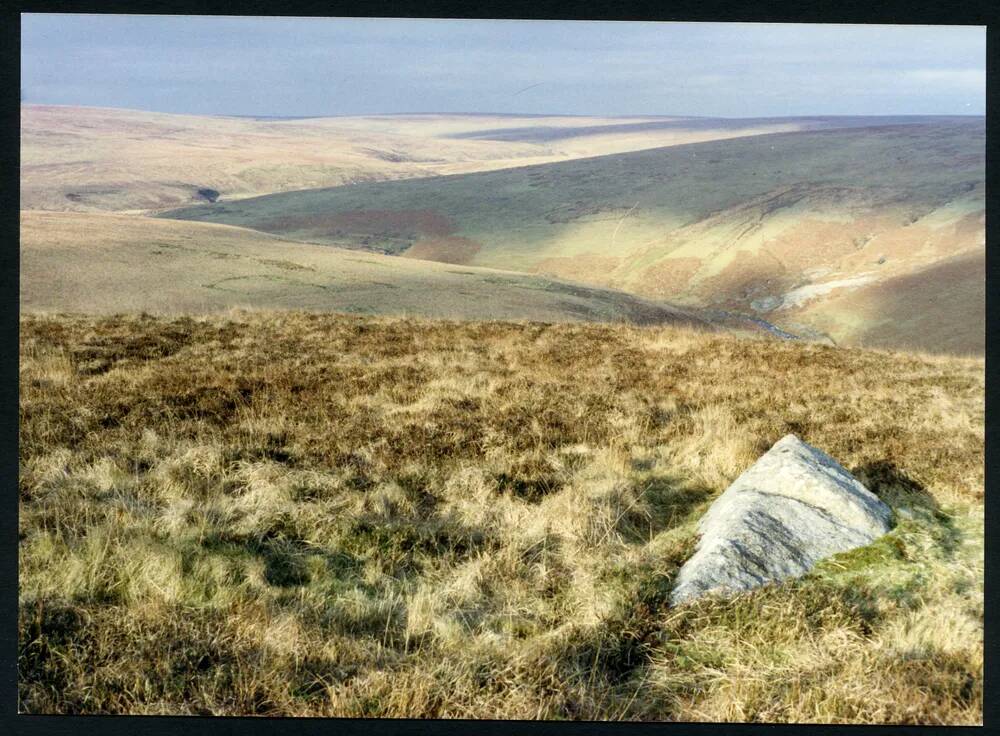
(101, 159)
(101, 263)
(96, 159)
(316, 454)
(780, 225)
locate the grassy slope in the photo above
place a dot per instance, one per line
(735, 223)
(100, 159)
(307, 514)
(942, 305)
(76, 262)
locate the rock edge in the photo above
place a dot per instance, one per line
(793, 507)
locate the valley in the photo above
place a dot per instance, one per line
(776, 226)
(501, 369)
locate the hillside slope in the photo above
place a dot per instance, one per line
(101, 159)
(76, 262)
(771, 224)
(940, 307)
(319, 515)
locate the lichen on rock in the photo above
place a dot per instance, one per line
(795, 506)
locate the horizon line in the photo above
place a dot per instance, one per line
(26, 103)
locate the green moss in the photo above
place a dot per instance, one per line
(887, 550)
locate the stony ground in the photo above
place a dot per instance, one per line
(291, 514)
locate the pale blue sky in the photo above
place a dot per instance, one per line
(311, 66)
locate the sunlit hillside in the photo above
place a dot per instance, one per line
(294, 514)
(104, 263)
(108, 160)
(837, 232)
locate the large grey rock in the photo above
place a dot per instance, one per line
(790, 509)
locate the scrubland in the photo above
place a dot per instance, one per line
(294, 514)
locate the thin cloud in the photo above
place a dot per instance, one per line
(961, 78)
(297, 66)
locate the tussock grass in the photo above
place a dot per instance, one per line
(293, 514)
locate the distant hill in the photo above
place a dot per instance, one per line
(543, 132)
(777, 225)
(111, 160)
(89, 159)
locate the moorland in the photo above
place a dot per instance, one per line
(415, 415)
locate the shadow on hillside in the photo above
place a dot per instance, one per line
(904, 493)
(673, 500)
(892, 484)
(285, 560)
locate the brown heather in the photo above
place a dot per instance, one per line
(294, 514)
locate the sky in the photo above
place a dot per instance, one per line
(347, 66)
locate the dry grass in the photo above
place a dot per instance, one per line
(108, 264)
(325, 515)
